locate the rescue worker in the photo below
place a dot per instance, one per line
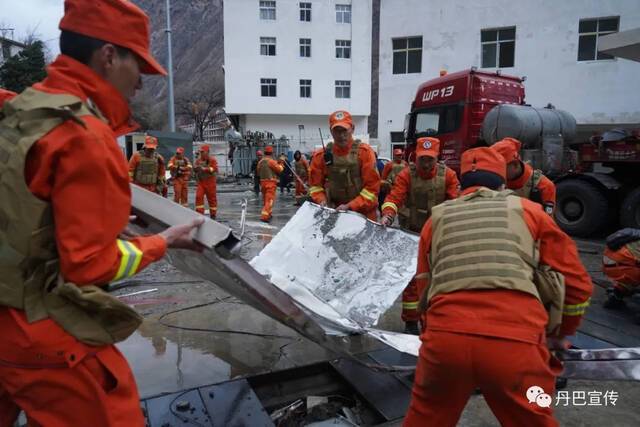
(285, 176)
(483, 285)
(389, 172)
(621, 263)
(180, 169)
(268, 171)
(302, 170)
(146, 167)
(344, 175)
(206, 169)
(6, 95)
(254, 171)
(523, 179)
(417, 189)
(66, 202)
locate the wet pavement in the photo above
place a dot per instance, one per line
(195, 334)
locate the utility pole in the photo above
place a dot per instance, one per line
(172, 112)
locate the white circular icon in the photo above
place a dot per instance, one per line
(339, 115)
(533, 392)
(426, 145)
(543, 400)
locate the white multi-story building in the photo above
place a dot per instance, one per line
(289, 64)
(9, 48)
(553, 43)
(214, 132)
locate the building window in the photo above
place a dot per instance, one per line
(305, 88)
(343, 49)
(343, 13)
(343, 88)
(268, 46)
(267, 9)
(407, 55)
(305, 48)
(498, 47)
(305, 12)
(590, 31)
(268, 87)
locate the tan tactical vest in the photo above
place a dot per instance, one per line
(343, 176)
(634, 248)
(396, 168)
(301, 169)
(532, 182)
(481, 241)
(147, 170)
(264, 171)
(204, 172)
(30, 277)
(424, 194)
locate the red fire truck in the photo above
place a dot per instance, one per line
(598, 181)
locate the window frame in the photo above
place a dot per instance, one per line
(345, 48)
(497, 42)
(304, 47)
(343, 88)
(597, 33)
(343, 11)
(406, 50)
(267, 45)
(305, 11)
(265, 10)
(268, 83)
(306, 87)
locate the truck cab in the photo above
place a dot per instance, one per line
(452, 108)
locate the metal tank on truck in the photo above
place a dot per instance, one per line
(597, 181)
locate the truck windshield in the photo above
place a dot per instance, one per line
(438, 120)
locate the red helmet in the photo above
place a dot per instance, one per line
(259, 153)
(268, 149)
(204, 148)
(180, 150)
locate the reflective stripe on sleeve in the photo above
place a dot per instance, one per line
(130, 260)
(368, 195)
(410, 305)
(576, 309)
(390, 205)
(315, 190)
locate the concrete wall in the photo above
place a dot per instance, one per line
(546, 52)
(244, 66)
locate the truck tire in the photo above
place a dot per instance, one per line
(581, 208)
(630, 209)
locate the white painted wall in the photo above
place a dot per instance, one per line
(546, 52)
(244, 66)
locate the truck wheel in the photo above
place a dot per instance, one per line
(581, 208)
(630, 209)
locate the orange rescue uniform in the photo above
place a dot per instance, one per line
(6, 95)
(623, 267)
(302, 169)
(56, 379)
(546, 189)
(268, 185)
(366, 202)
(134, 163)
(494, 339)
(206, 170)
(396, 200)
(180, 168)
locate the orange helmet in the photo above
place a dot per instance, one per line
(427, 146)
(150, 142)
(485, 159)
(204, 148)
(509, 148)
(268, 149)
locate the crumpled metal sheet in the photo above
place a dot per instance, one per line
(602, 364)
(339, 265)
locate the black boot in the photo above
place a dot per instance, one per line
(615, 300)
(411, 328)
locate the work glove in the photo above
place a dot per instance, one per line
(386, 220)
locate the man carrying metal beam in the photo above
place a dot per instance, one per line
(66, 199)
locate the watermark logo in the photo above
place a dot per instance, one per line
(535, 394)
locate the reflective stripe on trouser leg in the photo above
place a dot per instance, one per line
(200, 198)
(410, 300)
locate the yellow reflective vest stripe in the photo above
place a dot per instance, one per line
(130, 260)
(390, 205)
(368, 195)
(315, 189)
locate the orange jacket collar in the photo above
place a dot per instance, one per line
(339, 151)
(522, 179)
(427, 175)
(66, 75)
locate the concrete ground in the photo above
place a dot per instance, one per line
(195, 334)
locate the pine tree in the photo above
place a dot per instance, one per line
(24, 69)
